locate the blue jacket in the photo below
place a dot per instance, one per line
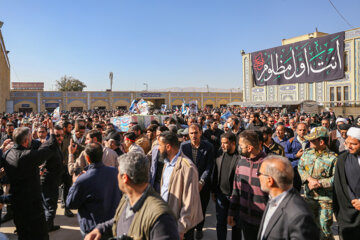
(205, 158)
(96, 195)
(291, 149)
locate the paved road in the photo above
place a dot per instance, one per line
(70, 228)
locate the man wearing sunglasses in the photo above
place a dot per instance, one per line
(50, 179)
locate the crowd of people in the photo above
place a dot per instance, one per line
(272, 174)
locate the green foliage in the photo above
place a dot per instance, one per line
(69, 84)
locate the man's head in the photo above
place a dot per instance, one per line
(275, 172)
(318, 138)
(343, 128)
(10, 128)
(325, 123)
(292, 123)
(159, 130)
(168, 144)
(248, 143)
(301, 130)
(93, 152)
(151, 131)
(233, 123)
(201, 120)
(213, 124)
(263, 118)
(136, 129)
(191, 120)
(216, 115)
(280, 131)
(266, 132)
(195, 134)
(228, 142)
(340, 121)
(133, 171)
(93, 136)
(129, 139)
(285, 118)
(42, 132)
(22, 137)
(271, 122)
(352, 141)
(79, 131)
(254, 117)
(59, 133)
(67, 127)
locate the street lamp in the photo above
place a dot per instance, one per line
(147, 87)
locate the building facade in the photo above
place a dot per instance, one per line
(41, 101)
(4, 74)
(342, 94)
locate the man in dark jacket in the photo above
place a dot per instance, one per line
(22, 168)
(50, 179)
(222, 185)
(95, 193)
(201, 152)
(287, 215)
(142, 213)
(213, 134)
(347, 188)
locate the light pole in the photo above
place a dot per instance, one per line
(147, 87)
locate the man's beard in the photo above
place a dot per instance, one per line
(164, 155)
(246, 154)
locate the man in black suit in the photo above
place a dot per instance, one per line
(287, 215)
(21, 164)
(50, 179)
(222, 184)
(201, 152)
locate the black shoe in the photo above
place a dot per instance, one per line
(68, 213)
(62, 205)
(199, 234)
(54, 228)
(7, 217)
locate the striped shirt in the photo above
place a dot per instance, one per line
(247, 200)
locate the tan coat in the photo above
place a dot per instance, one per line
(184, 196)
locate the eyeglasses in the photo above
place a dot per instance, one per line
(258, 173)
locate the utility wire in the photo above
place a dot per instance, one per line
(341, 15)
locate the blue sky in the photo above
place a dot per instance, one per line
(165, 43)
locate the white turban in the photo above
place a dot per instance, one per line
(354, 132)
(341, 120)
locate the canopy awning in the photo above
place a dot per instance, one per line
(270, 104)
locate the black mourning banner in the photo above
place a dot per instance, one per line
(314, 60)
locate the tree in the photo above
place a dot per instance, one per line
(68, 84)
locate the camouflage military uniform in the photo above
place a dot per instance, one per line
(321, 166)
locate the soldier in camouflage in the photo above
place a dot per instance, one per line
(316, 168)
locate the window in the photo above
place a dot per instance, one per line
(311, 91)
(332, 94)
(346, 95)
(338, 94)
(346, 61)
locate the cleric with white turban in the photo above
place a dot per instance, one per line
(354, 132)
(347, 187)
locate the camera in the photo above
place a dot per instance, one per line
(77, 171)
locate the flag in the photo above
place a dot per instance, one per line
(226, 115)
(133, 106)
(56, 114)
(163, 107)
